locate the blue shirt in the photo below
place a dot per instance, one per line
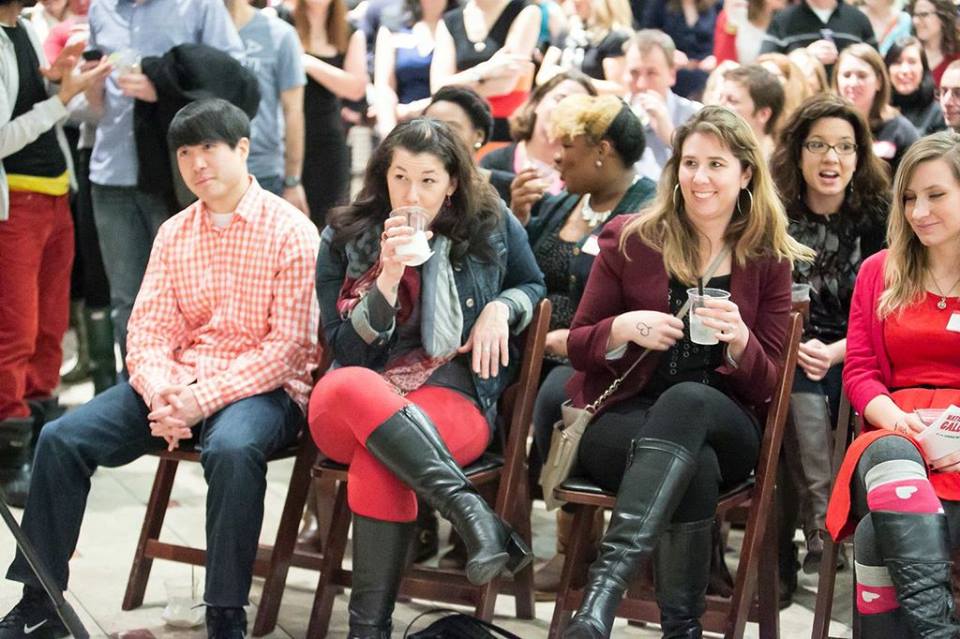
(273, 54)
(151, 28)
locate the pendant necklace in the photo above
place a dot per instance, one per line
(942, 304)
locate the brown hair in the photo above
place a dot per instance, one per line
(523, 122)
(947, 14)
(759, 225)
(646, 39)
(880, 109)
(764, 88)
(869, 187)
(338, 30)
(795, 88)
(906, 263)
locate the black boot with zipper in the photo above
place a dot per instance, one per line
(408, 444)
(656, 478)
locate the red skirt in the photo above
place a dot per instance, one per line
(840, 520)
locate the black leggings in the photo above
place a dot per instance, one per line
(718, 432)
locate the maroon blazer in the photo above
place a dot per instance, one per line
(760, 289)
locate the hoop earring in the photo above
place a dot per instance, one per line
(676, 204)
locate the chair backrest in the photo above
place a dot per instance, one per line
(766, 477)
(517, 405)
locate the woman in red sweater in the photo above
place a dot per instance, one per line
(903, 342)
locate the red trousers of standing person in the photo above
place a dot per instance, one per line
(36, 254)
(350, 403)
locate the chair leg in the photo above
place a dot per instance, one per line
(332, 561)
(745, 586)
(574, 569)
(152, 523)
(769, 586)
(825, 589)
(276, 578)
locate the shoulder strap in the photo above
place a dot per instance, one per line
(714, 265)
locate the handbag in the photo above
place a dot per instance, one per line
(456, 625)
(567, 432)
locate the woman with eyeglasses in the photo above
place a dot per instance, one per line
(861, 77)
(900, 499)
(836, 193)
(935, 25)
(913, 91)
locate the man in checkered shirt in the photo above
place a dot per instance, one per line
(222, 345)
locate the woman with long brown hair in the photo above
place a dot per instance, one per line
(335, 62)
(861, 77)
(685, 422)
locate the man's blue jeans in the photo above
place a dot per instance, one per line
(112, 430)
(127, 220)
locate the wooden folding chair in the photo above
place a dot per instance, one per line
(271, 563)
(758, 554)
(512, 504)
(846, 432)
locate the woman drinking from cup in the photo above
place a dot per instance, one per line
(902, 345)
(836, 192)
(716, 223)
(423, 352)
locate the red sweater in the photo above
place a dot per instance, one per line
(760, 289)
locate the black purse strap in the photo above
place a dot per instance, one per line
(711, 269)
(450, 612)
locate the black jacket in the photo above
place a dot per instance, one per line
(185, 73)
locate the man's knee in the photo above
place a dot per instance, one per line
(232, 455)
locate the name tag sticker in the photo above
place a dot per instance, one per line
(591, 246)
(954, 323)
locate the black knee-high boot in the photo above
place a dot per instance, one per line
(915, 550)
(681, 565)
(408, 444)
(379, 556)
(653, 485)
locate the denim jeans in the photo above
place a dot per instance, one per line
(127, 220)
(112, 430)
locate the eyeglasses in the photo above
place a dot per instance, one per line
(820, 148)
(924, 14)
(945, 93)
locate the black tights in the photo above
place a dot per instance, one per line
(720, 434)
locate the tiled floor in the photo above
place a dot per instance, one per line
(114, 514)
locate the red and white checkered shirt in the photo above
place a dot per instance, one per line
(232, 310)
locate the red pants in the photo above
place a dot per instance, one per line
(36, 254)
(350, 403)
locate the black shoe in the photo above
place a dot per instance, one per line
(16, 454)
(655, 481)
(408, 444)
(33, 618)
(226, 623)
(789, 565)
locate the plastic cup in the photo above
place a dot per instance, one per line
(700, 334)
(125, 61)
(417, 251)
(184, 609)
(800, 293)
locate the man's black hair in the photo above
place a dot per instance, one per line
(210, 120)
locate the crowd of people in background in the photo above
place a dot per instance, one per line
(606, 155)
